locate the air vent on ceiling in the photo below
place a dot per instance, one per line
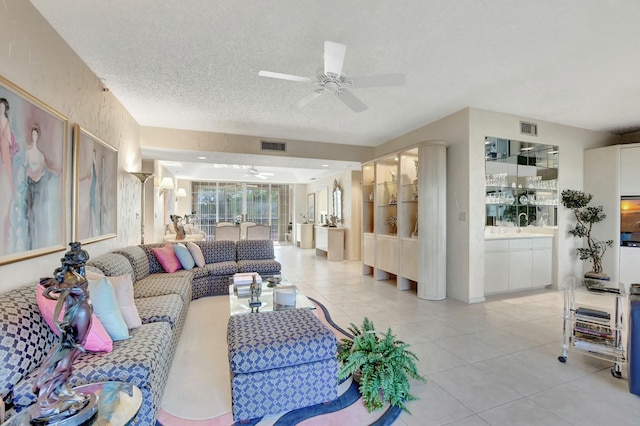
(528, 128)
(274, 146)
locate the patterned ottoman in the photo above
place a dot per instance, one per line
(280, 361)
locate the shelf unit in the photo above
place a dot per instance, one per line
(593, 321)
(392, 187)
(521, 183)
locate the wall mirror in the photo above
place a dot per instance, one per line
(311, 207)
(521, 183)
(323, 203)
(337, 202)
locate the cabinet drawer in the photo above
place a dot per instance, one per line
(520, 244)
(496, 245)
(541, 243)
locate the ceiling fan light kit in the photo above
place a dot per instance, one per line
(253, 172)
(331, 79)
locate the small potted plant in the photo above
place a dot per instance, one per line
(381, 363)
(586, 216)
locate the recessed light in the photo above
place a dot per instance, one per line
(202, 158)
(325, 165)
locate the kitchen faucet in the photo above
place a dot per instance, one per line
(526, 219)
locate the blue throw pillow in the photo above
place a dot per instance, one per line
(184, 256)
(106, 308)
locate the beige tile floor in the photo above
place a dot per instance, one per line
(493, 363)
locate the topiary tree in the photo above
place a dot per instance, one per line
(586, 216)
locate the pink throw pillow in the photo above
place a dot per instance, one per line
(196, 253)
(167, 258)
(98, 339)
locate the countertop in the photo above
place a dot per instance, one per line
(510, 233)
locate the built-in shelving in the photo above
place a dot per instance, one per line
(395, 237)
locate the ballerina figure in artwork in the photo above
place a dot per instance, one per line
(7, 145)
(35, 164)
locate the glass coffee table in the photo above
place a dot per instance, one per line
(284, 291)
(118, 404)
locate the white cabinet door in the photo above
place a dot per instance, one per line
(387, 254)
(368, 250)
(541, 267)
(629, 171)
(520, 269)
(322, 238)
(496, 272)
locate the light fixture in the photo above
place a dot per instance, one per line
(181, 193)
(144, 177)
(166, 183)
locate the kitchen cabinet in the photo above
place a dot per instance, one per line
(517, 263)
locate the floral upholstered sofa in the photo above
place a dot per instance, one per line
(144, 359)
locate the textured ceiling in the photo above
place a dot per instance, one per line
(194, 64)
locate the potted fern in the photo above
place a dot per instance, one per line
(586, 216)
(381, 363)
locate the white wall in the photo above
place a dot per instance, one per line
(464, 132)
(242, 144)
(35, 58)
(571, 142)
(351, 189)
(454, 131)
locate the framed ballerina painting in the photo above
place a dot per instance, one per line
(34, 176)
(95, 187)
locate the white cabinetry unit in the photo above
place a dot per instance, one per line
(613, 177)
(496, 272)
(404, 238)
(542, 261)
(629, 170)
(331, 241)
(517, 263)
(304, 235)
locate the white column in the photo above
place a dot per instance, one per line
(432, 216)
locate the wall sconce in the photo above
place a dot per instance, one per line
(165, 184)
(181, 193)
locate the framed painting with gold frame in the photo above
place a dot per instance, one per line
(95, 187)
(34, 176)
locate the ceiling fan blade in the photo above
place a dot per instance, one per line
(382, 80)
(261, 176)
(307, 99)
(267, 174)
(351, 101)
(333, 57)
(284, 76)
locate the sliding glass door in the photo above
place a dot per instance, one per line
(264, 204)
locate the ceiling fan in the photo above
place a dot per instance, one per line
(331, 79)
(252, 171)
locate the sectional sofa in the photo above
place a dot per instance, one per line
(144, 359)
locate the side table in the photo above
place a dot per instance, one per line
(118, 404)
